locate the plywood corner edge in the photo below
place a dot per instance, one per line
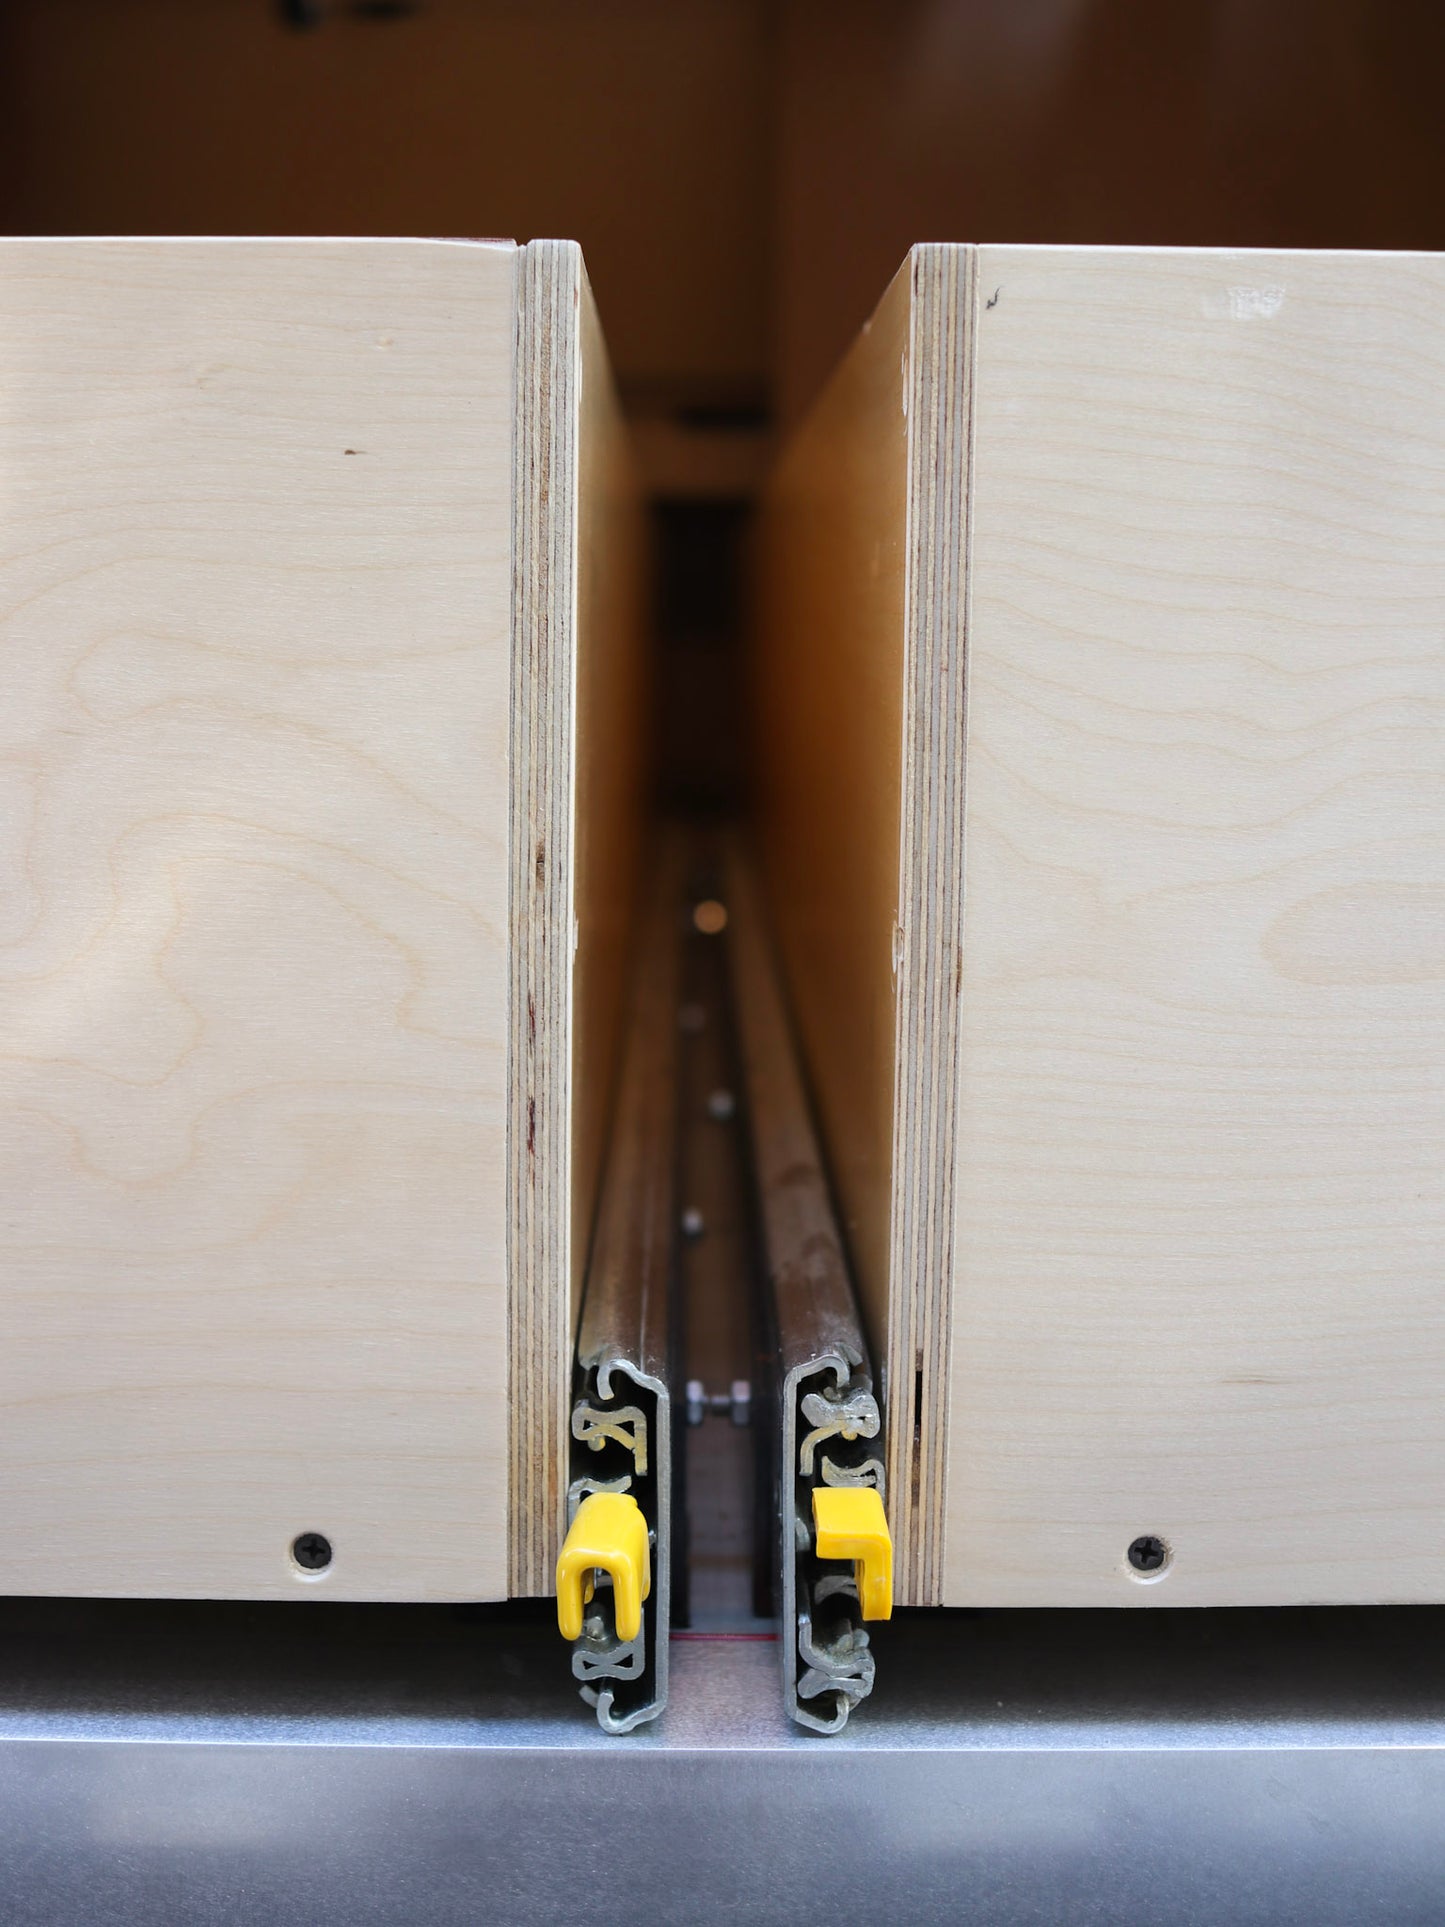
(931, 885)
(543, 702)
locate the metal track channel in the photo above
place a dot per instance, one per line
(831, 1429)
(621, 1432)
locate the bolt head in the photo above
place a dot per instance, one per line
(311, 1551)
(1149, 1553)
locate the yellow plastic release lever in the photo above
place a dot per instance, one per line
(849, 1523)
(609, 1532)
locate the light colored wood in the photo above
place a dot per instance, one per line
(1200, 1285)
(1188, 1087)
(254, 640)
(828, 693)
(578, 718)
(323, 654)
(931, 890)
(608, 783)
(543, 625)
(860, 693)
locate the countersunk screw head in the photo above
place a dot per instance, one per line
(1148, 1553)
(311, 1551)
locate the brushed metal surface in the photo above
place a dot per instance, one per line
(372, 1764)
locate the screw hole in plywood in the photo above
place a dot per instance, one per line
(311, 1554)
(1149, 1557)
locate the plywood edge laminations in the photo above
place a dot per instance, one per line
(544, 577)
(859, 688)
(931, 892)
(575, 828)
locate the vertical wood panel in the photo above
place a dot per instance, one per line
(859, 690)
(577, 800)
(828, 674)
(1201, 1222)
(1198, 1104)
(254, 636)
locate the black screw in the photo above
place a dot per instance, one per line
(1148, 1553)
(311, 1551)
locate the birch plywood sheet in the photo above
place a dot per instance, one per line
(859, 683)
(577, 716)
(1159, 1186)
(829, 692)
(1200, 1275)
(255, 526)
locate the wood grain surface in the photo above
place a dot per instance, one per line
(858, 686)
(1200, 1277)
(255, 521)
(827, 699)
(1182, 1090)
(578, 724)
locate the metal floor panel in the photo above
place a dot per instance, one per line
(379, 1764)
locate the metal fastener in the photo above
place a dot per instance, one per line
(1149, 1553)
(311, 1551)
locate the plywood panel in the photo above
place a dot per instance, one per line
(859, 691)
(610, 774)
(577, 721)
(828, 668)
(255, 521)
(1200, 1220)
(1156, 1215)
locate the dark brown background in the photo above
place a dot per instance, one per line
(744, 175)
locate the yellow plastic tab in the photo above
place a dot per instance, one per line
(849, 1523)
(609, 1533)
